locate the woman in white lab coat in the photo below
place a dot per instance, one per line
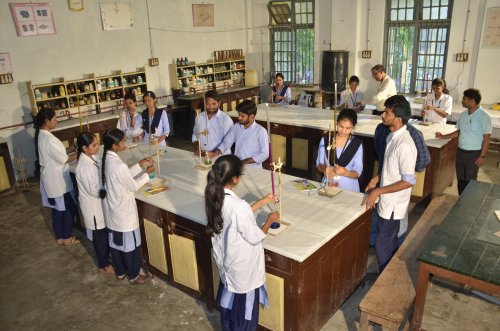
(120, 208)
(237, 245)
(55, 183)
(154, 119)
(130, 122)
(439, 103)
(87, 175)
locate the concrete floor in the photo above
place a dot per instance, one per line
(47, 287)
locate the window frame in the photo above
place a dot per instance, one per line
(293, 27)
(420, 24)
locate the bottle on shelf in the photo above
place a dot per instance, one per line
(125, 82)
(38, 95)
(139, 79)
(62, 91)
(178, 62)
(186, 61)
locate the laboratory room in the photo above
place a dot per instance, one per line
(250, 164)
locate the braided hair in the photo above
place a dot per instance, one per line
(44, 115)
(111, 137)
(84, 139)
(222, 173)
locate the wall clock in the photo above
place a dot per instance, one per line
(75, 5)
(203, 15)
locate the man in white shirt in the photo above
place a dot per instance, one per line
(386, 89)
(250, 139)
(211, 126)
(396, 180)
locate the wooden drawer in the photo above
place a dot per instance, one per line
(277, 261)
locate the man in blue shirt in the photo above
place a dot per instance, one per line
(473, 132)
(211, 126)
(252, 146)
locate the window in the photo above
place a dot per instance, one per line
(417, 34)
(292, 39)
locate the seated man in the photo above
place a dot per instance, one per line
(252, 146)
(211, 126)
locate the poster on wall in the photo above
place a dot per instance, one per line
(32, 19)
(116, 16)
(491, 38)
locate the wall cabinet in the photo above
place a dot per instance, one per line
(91, 93)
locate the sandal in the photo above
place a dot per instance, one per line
(141, 279)
(70, 241)
(107, 269)
(60, 242)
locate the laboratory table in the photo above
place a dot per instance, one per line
(465, 248)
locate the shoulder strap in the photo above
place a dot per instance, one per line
(156, 119)
(348, 153)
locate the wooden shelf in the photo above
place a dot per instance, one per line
(52, 87)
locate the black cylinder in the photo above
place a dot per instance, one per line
(335, 65)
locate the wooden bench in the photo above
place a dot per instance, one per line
(388, 301)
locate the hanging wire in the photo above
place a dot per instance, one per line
(149, 31)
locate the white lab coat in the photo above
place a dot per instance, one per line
(88, 174)
(237, 249)
(119, 205)
(54, 169)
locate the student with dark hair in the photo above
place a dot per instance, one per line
(130, 122)
(154, 119)
(252, 146)
(351, 97)
(237, 245)
(437, 106)
(87, 177)
(55, 182)
(386, 88)
(211, 126)
(473, 132)
(348, 159)
(396, 179)
(122, 220)
(282, 93)
(423, 160)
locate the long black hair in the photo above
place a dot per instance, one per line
(84, 139)
(45, 114)
(111, 137)
(222, 173)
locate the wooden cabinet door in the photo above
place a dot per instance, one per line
(154, 235)
(190, 255)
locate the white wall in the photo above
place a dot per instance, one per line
(487, 75)
(81, 47)
(351, 34)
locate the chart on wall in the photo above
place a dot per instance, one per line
(491, 38)
(116, 16)
(33, 19)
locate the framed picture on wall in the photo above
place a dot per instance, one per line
(203, 15)
(33, 19)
